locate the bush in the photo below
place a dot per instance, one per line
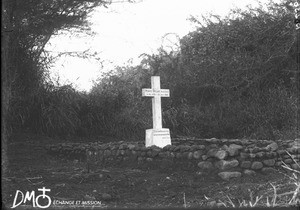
(231, 78)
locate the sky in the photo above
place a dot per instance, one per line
(124, 31)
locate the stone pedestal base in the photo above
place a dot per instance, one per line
(160, 137)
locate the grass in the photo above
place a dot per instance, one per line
(289, 196)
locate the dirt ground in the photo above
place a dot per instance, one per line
(29, 168)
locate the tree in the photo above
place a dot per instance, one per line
(27, 25)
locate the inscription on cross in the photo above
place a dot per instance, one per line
(156, 93)
(157, 136)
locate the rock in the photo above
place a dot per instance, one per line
(114, 152)
(194, 147)
(185, 148)
(143, 149)
(225, 147)
(89, 198)
(219, 205)
(199, 173)
(197, 154)
(288, 161)
(268, 170)
(155, 152)
(107, 153)
(279, 163)
(106, 197)
(269, 154)
(190, 155)
(177, 148)
(295, 166)
(212, 139)
(226, 175)
(205, 165)
(149, 153)
(168, 154)
(257, 165)
(211, 204)
(185, 154)
(167, 147)
(244, 155)
(252, 155)
(213, 146)
(127, 152)
(204, 157)
(221, 154)
(138, 148)
(201, 146)
(236, 141)
(260, 154)
(281, 152)
(274, 154)
(122, 146)
(249, 172)
(223, 164)
(296, 143)
(246, 164)
(149, 159)
(256, 149)
(178, 155)
(154, 147)
(162, 154)
(131, 146)
(212, 152)
(233, 149)
(270, 162)
(272, 147)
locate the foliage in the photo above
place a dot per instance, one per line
(237, 78)
(122, 110)
(27, 27)
(232, 77)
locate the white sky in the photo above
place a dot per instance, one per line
(124, 31)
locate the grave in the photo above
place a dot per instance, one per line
(158, 135)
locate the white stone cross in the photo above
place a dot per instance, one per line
(157, 136)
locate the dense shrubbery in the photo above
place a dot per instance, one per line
(237, 76)
(232, 78)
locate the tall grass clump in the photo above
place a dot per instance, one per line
(281, 193)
